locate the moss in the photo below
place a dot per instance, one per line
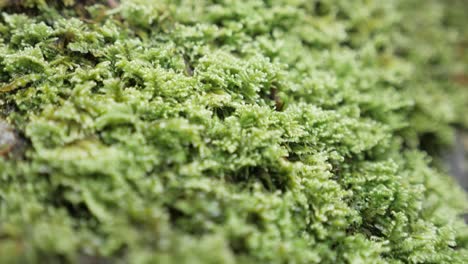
(230, 131)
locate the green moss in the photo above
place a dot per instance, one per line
(230, 131)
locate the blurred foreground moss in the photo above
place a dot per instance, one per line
(198, 131)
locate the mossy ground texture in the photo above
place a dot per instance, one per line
(224, 131)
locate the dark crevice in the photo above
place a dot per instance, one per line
(76, 210)
(279, 104)
(223, 112)
(270, 179)
(188, 66)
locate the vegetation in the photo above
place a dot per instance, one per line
(225, 131)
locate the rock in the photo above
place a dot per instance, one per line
(7, 138)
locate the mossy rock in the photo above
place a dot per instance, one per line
(198, 131)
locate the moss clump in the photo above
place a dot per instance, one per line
(231, 131)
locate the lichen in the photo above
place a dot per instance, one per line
(201, 131)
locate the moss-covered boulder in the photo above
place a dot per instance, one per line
(226, 131)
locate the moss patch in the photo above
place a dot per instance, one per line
(231, 131)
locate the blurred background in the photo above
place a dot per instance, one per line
(457, 158)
